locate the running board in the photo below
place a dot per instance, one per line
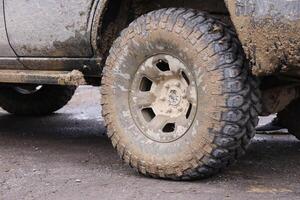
(74, 77)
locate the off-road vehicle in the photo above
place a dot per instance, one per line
(182, 81)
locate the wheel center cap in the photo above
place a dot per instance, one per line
(173, 98)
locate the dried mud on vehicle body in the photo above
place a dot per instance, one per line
(269, 31)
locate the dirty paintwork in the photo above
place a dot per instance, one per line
(42, 77)
(50, 28)
(64, 35)
(10, 63)
(58, 64)
(5, 49)
(269, 31)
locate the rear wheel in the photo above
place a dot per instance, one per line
(178, 100)
(35, 99)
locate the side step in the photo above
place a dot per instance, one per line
(74, 77)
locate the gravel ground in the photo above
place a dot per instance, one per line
(67, 156)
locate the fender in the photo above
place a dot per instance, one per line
(269, 31)
(101, 6)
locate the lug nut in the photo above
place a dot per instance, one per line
(169, 110)
(180, 109)
(167, 86)
(178, 85)
(163, 99)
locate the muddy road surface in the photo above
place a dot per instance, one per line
(67, 156)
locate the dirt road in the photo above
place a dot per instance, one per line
(67, 156)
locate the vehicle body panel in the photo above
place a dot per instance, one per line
(49, 28)
(65, 35)
(269, 31)
(8, 58)
(5, 49)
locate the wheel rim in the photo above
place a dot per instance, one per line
(163, 98)
(27, 90)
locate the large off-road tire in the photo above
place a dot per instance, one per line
(178, 99)
(35, 100)
(290, 118)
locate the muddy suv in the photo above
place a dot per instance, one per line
(179, 79)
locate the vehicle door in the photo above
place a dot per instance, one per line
(8, 59)
(49, 28)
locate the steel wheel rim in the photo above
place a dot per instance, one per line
(163, 98)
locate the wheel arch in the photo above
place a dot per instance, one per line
(112, 16)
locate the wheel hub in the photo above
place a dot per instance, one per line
(172, 99)
(163, 98)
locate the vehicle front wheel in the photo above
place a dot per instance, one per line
(35, 100)
(178, 99)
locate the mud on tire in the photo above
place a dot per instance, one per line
(227, 106)
(43, 101)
